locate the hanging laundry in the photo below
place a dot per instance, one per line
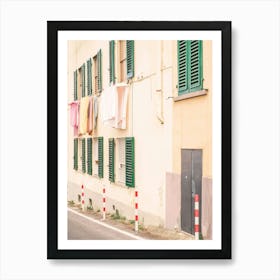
(74, 116)
(95, 111)
(84, 103)
(108, 101)
(76, 131)
(114, 106)
(78, 120)
(90, 115)
(121, 110)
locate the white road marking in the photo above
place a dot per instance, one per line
(106, 225)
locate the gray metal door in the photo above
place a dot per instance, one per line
(191, 178)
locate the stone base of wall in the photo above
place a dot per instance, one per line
(173, 204)
(173, 201)
(206, 214)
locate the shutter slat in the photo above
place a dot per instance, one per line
(100, 157)
(130, 58)
(129, 162)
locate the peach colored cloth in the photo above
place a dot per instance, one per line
(84, 115)
(95, 111)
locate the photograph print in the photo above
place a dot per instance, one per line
(143, 140)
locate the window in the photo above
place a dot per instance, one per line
(84, 80)
(189, 66)
(75, 85)
(89, 77)
(112, 62)
(95, 153)
(111, 160)
(125, 161)
(121, 160)
(130, 59)
(98, 156)
(75, 158)
(79, 83)
(129, 162)
(81, 155)
(89, 156)
(84, 155)
(122, 55)
(126, 60)
(97, 73)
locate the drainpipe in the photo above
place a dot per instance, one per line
(160, 115)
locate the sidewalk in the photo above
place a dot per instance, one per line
(150, 232)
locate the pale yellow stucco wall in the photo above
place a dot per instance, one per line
(144, 122)
(192, 119)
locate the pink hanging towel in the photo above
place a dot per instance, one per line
(73, 113)
(74, 121)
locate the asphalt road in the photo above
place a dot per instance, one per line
(81, 227)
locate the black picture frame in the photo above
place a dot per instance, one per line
(53, 27)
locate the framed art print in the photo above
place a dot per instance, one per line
(139, 140)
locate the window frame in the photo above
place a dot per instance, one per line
(188, 61)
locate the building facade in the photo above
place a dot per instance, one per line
(140, 118)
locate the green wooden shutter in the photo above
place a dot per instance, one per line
(89, 77)
(190, 76)
(75, 85)
(89, 156)
(76, 154)
(112, 62)
(99, 71)
(182, 67)
(84, 155)
(100, 157)
(195, 65)
(84, 80)
(130, 59)
(129, 162)
(111, 160)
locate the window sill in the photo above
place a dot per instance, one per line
(190, 95)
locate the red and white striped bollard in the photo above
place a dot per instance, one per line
(104, 203)
(83, 198)
(196, 217)
(136, 211)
